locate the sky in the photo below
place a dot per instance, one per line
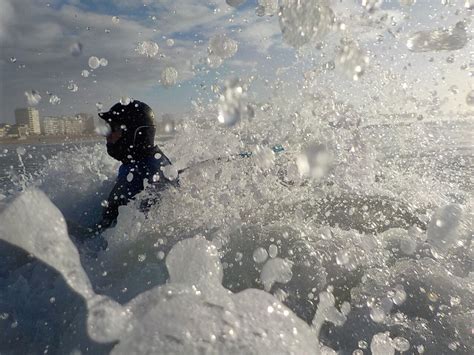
(36, 38)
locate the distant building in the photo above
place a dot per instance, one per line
(4, 128)
(53, 126)
(30, 117)
(68, 126)
(18, 131)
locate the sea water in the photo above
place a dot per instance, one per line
(356, 238)
(248, 255)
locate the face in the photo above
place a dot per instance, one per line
(114, 136)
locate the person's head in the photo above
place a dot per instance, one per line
(132, 130)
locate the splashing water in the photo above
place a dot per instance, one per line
(318, 226)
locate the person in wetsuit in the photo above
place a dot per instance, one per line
(131, 140)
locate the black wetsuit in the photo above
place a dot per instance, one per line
(131, 180)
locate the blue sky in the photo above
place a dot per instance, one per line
(39, 33)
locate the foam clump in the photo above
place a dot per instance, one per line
(107, 320)
(276, 270)
(194, 311)
(202, 265)
(45, 237)
(33, 223)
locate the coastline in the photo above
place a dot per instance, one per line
(51, 140)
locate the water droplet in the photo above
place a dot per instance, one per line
(377, 314)
(85, 73)
(315, 161)
(453, 89)
(222, 46)
(94, 62)
(125, 100)
(381, 344)
(130, 177)
(33, 97)
(141, 257)
(399, 295)
(470, 98)
(12, 60)
(264, 157)
(169, 76)
(21, 150)
(214, 61)
(449, 39)
(304, 21)
(54, 100)
(104, 203)
(272, 251)
(401, 344)
(76, 49)
(234, 3)
(72, 87)
(230, 107)
(103, 62)
(115, 20)
(99, 106)
(260, 255)
(352, 61)
(362, 344)
(267, 8)
(371, 5)
(454, 301)
(160, 255)
(170, 42)
(148, 48)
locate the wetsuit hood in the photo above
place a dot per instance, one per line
(136, 123)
